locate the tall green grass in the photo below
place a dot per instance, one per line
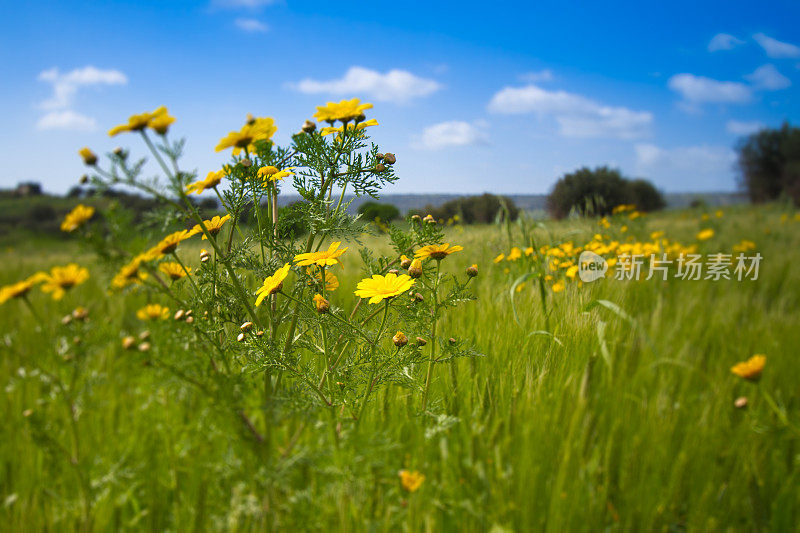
(618, 424)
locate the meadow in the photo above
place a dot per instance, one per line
(606, 406)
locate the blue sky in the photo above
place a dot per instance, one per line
(471, 97)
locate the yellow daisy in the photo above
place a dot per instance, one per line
(705, 234)
(411, 480)
(358, 127)
(138, 122)
(174, 270)
(750, 369)
(257, 129)
(270, 173)
(379, 287)
(345, 110)
(327, 257)
(153, 312)
(18, 289)
(169, 243)
(212, 226)
(77, 217)
(62, 278)
(129, 273)
(212, 180)
(437, 251)
(272, 284)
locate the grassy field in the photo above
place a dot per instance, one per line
(615, 422)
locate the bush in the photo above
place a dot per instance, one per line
(645, 196)
(597, 192)
(769, 163)
(481, 209)
(375, 210)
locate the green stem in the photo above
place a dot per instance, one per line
(432, 360)
(368, 390)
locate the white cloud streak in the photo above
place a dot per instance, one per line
(65, 86)
(768, 77)
(451, 134)
(398, 86)
(699, 89)
(576, 115)
(740, 127)
(251, 25)
(723, 41)
(66, 120)
(776, 49)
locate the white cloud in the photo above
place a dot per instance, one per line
(723, 41)
(66, 120)
(393, 86)
(699, 89)
(452, 133)
(768, 77)
(775, 48)
(65, 86)
(739, 127)
(536, 77)
(251, 25)
(682, 166)
(576, 115)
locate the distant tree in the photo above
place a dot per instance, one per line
(375, 210)
(769, 164)
(645, 196)
(481, 209)
(209, 203)
(596, 192)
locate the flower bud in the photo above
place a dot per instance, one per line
(451, 340)
(379, 156)
(80, 313)
(66, 320)
(416, 218)
(119, 152)
(240, 337)
(179, 314)
(392, 271)
(246, 326)
(380, 167)
(417, 297)
(144, 347)
(321, 304)
(390, 159)
(259, 333)
(205, 258)
(189, 312)
(472, 271)
(190, 320)
(400, 339)
(129, 343)
(308, 126)
(405, 262)
(421, 341)
(415, 269)
(89, 157)
(144, 335)
(741, 402)
(361, 117)
(251, 119)
(84, 179)
(246, 163)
